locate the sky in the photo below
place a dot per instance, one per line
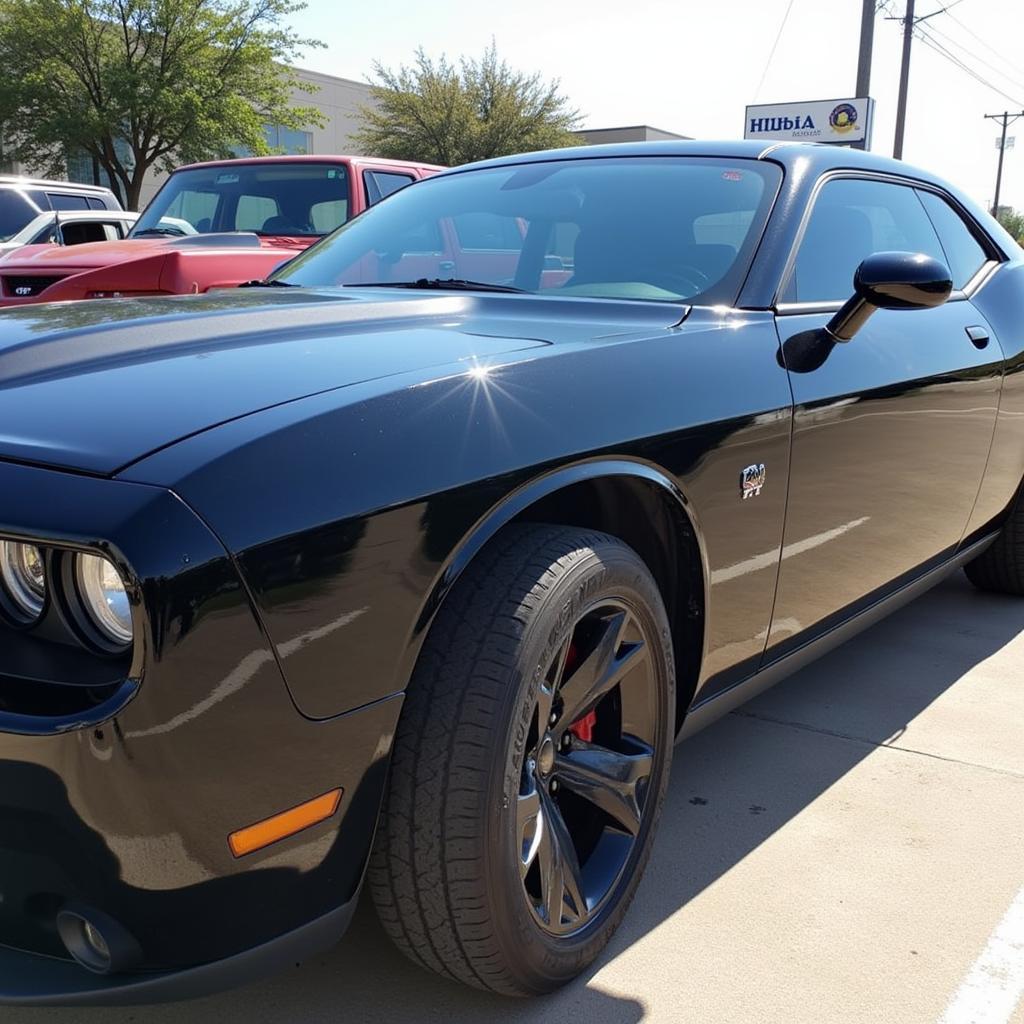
(691, 67)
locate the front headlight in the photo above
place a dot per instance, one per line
(24, 578)
(104, 598)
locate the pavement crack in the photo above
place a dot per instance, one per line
(864, 741)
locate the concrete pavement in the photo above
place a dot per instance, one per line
(839, 850)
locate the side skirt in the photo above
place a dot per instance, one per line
(705, 712)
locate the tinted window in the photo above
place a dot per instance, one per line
(280, 198)
(627, 227)
(60, 201)
(852, 219)
(95, 203)
(964, 254)
(380, 184)
(15, 212)
(78, 232)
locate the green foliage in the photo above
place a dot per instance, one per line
(172, 81)
(1013, 221)
(440, 113)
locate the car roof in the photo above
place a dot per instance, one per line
(311, 158)
(17, 181)
(72, 215)
(819, 157)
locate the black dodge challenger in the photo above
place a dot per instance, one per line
(413, 561)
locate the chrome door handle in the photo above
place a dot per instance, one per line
(978, 335)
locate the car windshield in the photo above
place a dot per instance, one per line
(650, 228)
(288, 198)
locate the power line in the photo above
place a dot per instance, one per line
(991, 49)
(970, 53)
(778, 36)
(930, 41)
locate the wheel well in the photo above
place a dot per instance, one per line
(651, 522)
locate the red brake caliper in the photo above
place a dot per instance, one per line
(583, 728)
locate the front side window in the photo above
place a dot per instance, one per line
(851, 220)
(62, 201)
(380, 184)
(626, 227)
(290, 199)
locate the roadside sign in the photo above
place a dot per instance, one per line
(1010, 140)
(839, 122)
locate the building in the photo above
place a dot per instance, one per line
(632, 133)
(339, 99)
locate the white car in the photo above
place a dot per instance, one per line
(63, 227)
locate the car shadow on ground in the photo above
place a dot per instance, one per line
(733, 786)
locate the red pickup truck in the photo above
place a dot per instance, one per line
(212, 225)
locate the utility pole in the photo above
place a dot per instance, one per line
(1006, 119)
(867, 37)
(909, 21)
(901, 102)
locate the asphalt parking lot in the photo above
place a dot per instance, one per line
(848, 847)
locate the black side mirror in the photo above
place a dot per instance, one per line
(891, 280)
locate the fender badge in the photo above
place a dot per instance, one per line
(752, 480)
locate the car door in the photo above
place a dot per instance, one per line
(892, 429)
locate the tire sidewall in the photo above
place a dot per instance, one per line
(607, 569)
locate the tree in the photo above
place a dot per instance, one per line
(1013, 221)
(440, 113)
(142, 83)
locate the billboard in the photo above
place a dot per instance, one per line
(836, 121)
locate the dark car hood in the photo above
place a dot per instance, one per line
(96, 385)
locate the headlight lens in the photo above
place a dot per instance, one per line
(24, 578)
(104, 598)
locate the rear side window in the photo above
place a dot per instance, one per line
(964, 254)
(380, 184)
(95, 203)
(852, 219)
(62, 201)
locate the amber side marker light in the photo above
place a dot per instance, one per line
(287, 823)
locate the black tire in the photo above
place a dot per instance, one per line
(448, 873)
(1000, 567)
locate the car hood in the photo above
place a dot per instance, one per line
(94, 386)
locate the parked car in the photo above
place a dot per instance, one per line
(73, 228)
(422, 567)
(23, 199)
(244, 217)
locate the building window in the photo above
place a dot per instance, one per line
(288, 140)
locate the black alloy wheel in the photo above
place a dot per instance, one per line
(587, 768)
(530, 763)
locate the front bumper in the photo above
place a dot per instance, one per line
(128, 814)
(27, 979)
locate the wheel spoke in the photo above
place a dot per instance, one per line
(559, 868)
(602, 670)
(529, 828)
(607, 779)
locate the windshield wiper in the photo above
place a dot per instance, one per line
(443, 284)
(264, 283)
(156, 231)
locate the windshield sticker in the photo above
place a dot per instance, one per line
(732, 175)
(227, 179)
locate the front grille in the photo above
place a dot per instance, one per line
(25, 286)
